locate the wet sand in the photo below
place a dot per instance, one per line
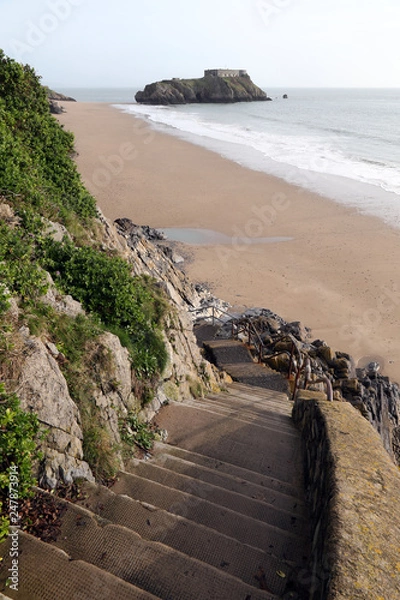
(339, 273)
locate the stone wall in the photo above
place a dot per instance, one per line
(353, 489)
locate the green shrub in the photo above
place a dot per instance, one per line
(19, 268)
(136, 433)
(18, 448)
(35, 151)
(128, 306)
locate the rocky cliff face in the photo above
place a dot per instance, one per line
(205, 89)
(35, 368)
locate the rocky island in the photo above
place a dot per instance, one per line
(217, 86)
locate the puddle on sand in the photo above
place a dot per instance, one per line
(199, 237)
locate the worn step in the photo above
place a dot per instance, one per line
(193, 539)
(254, 391)
(258, 392)
(151, 566)
(251, 507)
(271, 405)
(263, 418)
(261, 398)
(245, 529)
(228, 352)
(230, 440)
(235, 358)
(47, 573)
(227, 468)
(230, 482)
(203, 331)
(255, 394)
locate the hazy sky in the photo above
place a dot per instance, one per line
(282, 43)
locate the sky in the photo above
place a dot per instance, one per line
(282, 43)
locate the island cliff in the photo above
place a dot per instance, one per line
(207, 89)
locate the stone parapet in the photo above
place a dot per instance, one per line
(353, 489)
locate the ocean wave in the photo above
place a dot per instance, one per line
(282, 153)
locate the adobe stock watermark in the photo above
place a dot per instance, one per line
(270, 9)
(111, 166)
(255, 228)
(36, 33)
(13, 514)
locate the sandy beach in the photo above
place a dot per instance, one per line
(339, 273)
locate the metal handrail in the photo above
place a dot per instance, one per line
(246, 325)
(306, 367)
(236, 322)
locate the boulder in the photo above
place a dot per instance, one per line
(42, 389)
(326, 353)
(55, 108)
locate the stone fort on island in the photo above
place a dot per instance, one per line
(225, 72)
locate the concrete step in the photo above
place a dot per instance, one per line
(262, 418)
(233, 524)
(261, 398)
(251, 507)
(248, 476)
(193, 539)
(151, 566)
(48, 573)
(205, 331)
(247, 445)
(234, 357)
(272, 406)
(254, 392)
(230, 482)
(226, 352)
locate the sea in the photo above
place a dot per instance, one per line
(341, 143)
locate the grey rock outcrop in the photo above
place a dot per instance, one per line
(61, 303)
(55, 108)
(52, 95)
(148, 256)
(42, 389)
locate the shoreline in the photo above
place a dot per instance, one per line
(337, 274)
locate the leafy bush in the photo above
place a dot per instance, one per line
(129, 306)
(18, 448)
(35, 151)
(18, 263)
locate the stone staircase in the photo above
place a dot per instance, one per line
(217, 513)
(235, 358)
